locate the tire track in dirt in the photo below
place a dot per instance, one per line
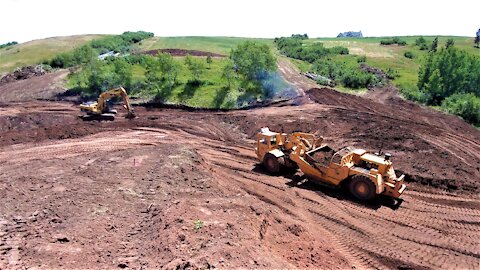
(413, 235)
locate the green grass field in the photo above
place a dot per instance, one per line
(211, 93)
(33, 52)
(221, 45)
(392, 56)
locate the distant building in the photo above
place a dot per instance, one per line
(351, 34)
(478, 33)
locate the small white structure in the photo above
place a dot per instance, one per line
(107, 54)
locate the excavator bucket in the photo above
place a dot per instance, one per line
(130, 115)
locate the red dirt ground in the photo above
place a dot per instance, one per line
(179, 189)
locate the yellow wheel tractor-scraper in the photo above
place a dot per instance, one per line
(366, 175)
(99, 110)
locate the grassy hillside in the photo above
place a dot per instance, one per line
(221, 45)
(392, 56)
(35, 51)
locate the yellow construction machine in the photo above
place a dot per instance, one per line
(99, 110)
(366, 175)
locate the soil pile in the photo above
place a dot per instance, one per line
(22, 74)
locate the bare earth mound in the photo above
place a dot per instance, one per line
(179, 190)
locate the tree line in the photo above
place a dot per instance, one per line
(8, 44)
(84, 54)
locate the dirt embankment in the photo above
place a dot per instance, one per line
(46, 86)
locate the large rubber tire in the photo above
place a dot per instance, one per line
(362, 188)
(272, 163)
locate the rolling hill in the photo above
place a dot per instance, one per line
(35, 51)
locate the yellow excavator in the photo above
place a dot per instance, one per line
(99, 110)
(366, 175)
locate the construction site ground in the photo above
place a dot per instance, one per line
(182, 189)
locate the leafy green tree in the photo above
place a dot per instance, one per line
(419, 41)
(434, 87)
(228, 73)
(83, 54)
(450, 42)
(123, 73)
(152, 70)
(253, 59)
(165, 64)
(188, 60)
(196, 67)
(209, 61)
(447, 72)
(434, 46)
(172, 73)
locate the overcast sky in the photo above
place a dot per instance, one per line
(24, 20)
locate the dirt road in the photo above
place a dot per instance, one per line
(182, 189)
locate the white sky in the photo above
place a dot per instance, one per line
(24, 20)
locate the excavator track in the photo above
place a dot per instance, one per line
(98, 117)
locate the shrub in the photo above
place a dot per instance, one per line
(357, 79)
(392, 74)
(323, 81)
(466, 106)
(409, 54)
(387, 42)
(362, 59)
(293, 47)
(411, 92)
(419, 41)
(393, 41)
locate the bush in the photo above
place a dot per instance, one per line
(393, 41)
(323, 81)
(411, 92)
(387, 42)
(409, 54)
(466, 106)
(419, 41)
(424, 47)
(392, 74)
(300, 36)
(293, 47)
(358, 79)
(362, 59)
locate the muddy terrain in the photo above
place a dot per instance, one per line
(181, 189)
